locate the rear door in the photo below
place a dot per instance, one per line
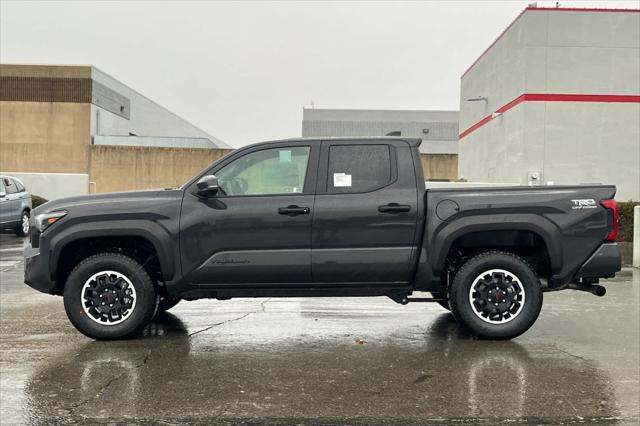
(365, 214)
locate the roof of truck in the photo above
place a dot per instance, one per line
(414, 142)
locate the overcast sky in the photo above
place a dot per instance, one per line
(242, 71)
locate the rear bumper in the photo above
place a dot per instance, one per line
(604, 263)
(36, 271)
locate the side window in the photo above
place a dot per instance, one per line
(19, 185)
(10, 187)
(358, 168)
(266, 172)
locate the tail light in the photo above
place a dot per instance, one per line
(613, 206)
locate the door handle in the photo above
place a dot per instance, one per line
(294, 210)
(394, 208)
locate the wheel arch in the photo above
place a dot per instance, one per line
(127, 238)
(450, 235)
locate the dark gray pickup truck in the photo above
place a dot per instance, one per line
(333, 217)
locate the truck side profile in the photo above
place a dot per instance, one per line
(331, 217)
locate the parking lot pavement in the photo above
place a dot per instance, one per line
(356, 361)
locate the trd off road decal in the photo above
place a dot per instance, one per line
(587, 203)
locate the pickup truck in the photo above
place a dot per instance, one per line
(329, 218)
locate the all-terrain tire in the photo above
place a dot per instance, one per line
(462, 298)
(145, 296)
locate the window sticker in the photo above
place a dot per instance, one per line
(285, 156)
(341, 180)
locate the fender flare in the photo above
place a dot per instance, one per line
(156, 235)
(444, 236)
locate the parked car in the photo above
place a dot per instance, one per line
(15, 205)
(335, 217)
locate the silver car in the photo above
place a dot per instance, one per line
(15, 205)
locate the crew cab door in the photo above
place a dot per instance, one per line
(365, 215)
(257, 227)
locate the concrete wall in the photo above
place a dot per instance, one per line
(123, 168)
(568, 142)
(159, 141)
(53, 185)
(440, 166)
(44, 137)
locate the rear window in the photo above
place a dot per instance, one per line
(358, 168)
(19, 186)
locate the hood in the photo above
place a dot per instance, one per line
(135, 197)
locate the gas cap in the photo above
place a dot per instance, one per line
(446, 208)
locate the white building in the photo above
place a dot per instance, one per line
(437, 129)
(556, 99)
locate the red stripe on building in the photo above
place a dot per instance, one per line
(552, 97)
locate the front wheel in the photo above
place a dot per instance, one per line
(497, 295)
(109, 296)
(23, 228)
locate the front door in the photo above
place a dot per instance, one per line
(257, 228)
(365, 216)
(11, 205)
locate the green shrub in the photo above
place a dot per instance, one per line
(626, 221)
(37, 200)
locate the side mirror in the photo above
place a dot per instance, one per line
(208, 186)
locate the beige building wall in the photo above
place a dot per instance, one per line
(44, 137)
(123, 168)
(440, 166)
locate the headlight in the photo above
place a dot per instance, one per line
(44, 220)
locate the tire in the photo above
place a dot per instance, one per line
(24, 226)
(109, 279)
(166, 303)
(502, 314)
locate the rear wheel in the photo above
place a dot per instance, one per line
(497, 295)
(109, 296)
(23, 228)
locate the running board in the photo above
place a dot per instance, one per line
(403, 300)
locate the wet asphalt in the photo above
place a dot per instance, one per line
(319, 361)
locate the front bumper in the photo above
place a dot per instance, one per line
(36, 271)
(604, 263)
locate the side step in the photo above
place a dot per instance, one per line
(403, 300)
